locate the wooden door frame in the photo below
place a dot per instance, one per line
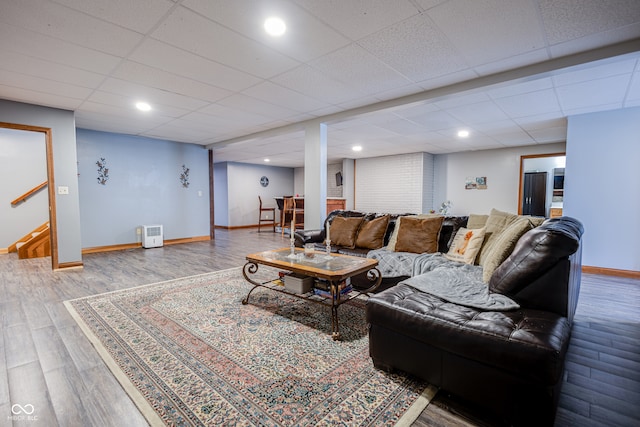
(53, 228)
(522, 159)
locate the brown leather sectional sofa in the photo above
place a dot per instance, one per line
(509, 363)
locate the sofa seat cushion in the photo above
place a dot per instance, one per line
(528, 343)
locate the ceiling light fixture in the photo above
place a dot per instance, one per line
(267, 160)
(143, 106)
(463, 133)
(275, 26)
(357, 148)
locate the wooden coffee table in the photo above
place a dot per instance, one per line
(333, 268)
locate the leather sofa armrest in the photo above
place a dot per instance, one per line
(308, 236)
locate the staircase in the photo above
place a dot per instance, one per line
(33, 245)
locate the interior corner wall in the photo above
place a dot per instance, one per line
(501, 167)
(62, 125)
(244, 187)
(144, 187)
(601, 186)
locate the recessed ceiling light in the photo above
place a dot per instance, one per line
(357, 148)
(143, 106)
(267, 160)
(275, 26)
(463, 133)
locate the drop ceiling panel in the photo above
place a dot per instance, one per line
(477, 28)
(481, 112)
(311, 82)
(203, 37)
(126, 103)
(270, 92)
(35, 67)
(159, 79)
(306, 37)
(136, 92)
(29, 96)
(20, 40)
(139, 15)
(42, 85)
(416, 48)
(357, 19)
(594, 93)
(530, 104)
(60, 22)
(173, 60)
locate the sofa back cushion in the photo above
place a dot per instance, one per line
(372, 232)
(537, 251)
(418, 235)
(503, 246)
(496, 223)
(343, 231)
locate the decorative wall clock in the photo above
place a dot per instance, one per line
(264, 181)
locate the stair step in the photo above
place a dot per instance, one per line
(19, 244)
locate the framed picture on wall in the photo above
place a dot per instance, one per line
(470, 183)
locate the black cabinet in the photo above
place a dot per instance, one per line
(534, 194)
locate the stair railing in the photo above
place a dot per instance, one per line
(29, 193)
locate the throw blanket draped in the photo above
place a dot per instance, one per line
(452, 281)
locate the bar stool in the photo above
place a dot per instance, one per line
(271, 220)
(291, 212)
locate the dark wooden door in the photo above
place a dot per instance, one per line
(534, 194)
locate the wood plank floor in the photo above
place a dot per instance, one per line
(47, 362)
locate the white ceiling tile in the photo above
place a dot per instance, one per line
(415, 48)
(270, 92)
(60, 22)
(565, 20)
(14, 93)
(477, 28)
(481, 112)
(201, 36)
(39, 84)
(135, 92)
(159, 79)
(529, 104)
(357, 19)
(548, 135)
(357, 68)
(460, 100)
(311, 82)
(515, 61)
(173, 60)
(520, 87)
(139, 15)
(595, 40)
(593, 72)
(36, 67)
(306, 37)
(126, 102)
(604, 91)
(23, 41)
(633, 95)
(256, 106)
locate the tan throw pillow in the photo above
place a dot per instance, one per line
(371, 234)
(477, 221)
(394, 234)
(343, 231)
(419, 235)
(503, 246)
(466, 245)
(496, 222)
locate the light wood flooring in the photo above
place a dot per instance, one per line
(47, 362)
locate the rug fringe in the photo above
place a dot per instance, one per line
(418, 406)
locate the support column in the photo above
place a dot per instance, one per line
(315, 175)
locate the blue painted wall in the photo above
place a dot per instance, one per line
(143, 188)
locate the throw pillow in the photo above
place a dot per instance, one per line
(496, 222)
(419, 235)
(503, 246)
(477, 221)
(466, 245)
(371, 234)
(394, 235)
(343, 231)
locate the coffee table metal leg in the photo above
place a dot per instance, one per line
(249, 268)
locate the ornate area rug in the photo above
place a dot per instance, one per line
(189, 353)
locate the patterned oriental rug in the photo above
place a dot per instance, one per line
(190, 354)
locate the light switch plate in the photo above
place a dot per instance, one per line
(63, 190)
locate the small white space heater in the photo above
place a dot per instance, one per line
(152, 236)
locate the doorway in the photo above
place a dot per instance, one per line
(541, 176)
(50, 204)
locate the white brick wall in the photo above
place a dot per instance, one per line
(394, 184)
